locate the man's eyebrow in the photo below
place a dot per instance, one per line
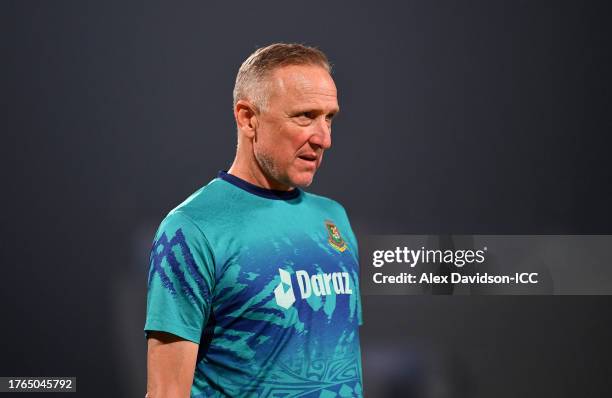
(333, 113)
(318, 111)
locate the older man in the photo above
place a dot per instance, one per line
(253, 285)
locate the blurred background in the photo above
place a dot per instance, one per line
(457, 117)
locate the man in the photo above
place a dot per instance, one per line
(253, 285)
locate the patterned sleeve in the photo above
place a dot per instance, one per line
(181, 279)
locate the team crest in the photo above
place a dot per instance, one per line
(335, 240)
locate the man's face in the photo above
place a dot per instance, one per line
(295, 128)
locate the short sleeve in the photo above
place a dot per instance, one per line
(181, 279)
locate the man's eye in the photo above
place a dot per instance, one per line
(308, 115)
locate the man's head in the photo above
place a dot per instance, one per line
(284, 101)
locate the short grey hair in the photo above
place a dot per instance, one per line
(251, 81)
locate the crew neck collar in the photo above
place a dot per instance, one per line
(259, 191)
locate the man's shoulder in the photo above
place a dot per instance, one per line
(208, 198)
(325, 203)
(207, 203)
(322, 200)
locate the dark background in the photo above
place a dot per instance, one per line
(457, 117)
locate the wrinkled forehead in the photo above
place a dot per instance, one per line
(303, 83)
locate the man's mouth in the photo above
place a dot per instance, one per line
(309, 157)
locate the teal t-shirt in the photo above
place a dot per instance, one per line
(266, 282)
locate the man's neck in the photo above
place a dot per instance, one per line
(252, 173)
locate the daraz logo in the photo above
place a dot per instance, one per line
(321, 284)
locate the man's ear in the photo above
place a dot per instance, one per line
(246, 118)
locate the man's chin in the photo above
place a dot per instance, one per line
(303, 180)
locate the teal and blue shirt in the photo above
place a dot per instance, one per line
(266, 282)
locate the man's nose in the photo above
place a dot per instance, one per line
(322, 135)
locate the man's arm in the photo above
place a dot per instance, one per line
(170, 365)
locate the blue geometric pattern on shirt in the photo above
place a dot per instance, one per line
(323, 378)
(163, 249)
(331, 375)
